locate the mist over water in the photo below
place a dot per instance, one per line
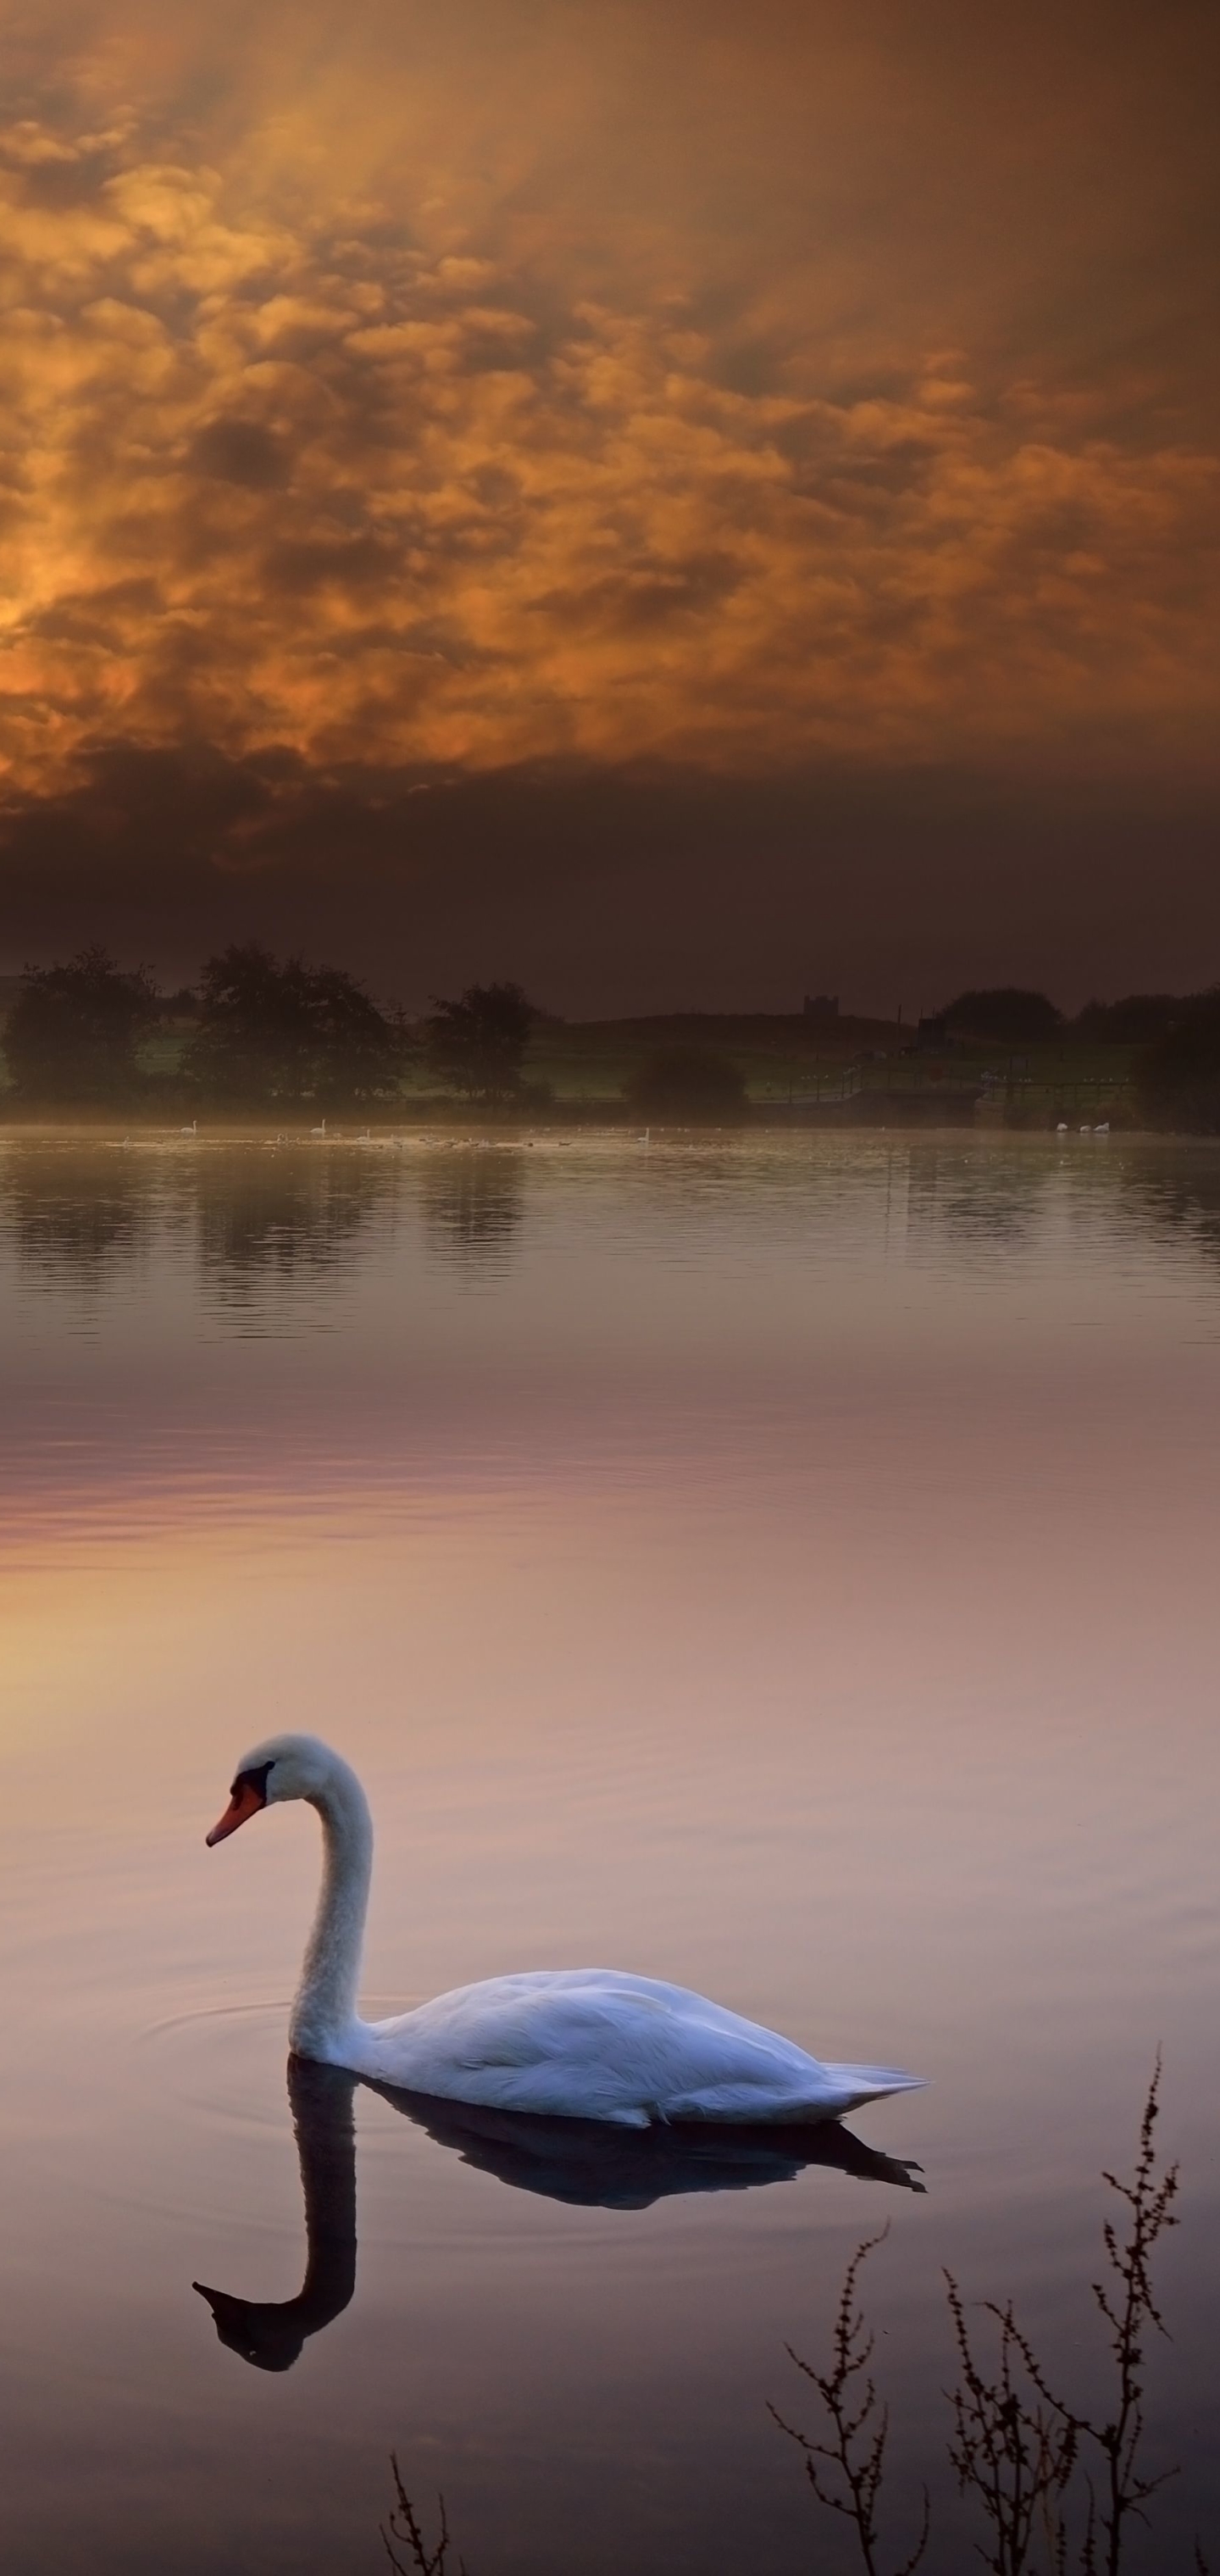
(780, 1563)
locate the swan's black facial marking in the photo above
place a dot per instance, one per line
(255, 1780)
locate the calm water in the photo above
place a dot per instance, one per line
(787, 1566)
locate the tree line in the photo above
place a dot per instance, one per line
(1013, 1015)
(1175, 1038)
(284, 1036)
(271, 1035)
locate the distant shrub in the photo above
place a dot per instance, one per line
(686, 1082)
(1005, 1012)
(1178, 1081)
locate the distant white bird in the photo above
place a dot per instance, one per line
(318, 1131)
(1102, 1128)
(192, 1130)
(1062, 1128)
(574, 2043)
(1086, 1130)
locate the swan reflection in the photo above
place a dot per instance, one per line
(589, 2164)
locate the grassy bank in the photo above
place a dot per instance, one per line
(790, 1066)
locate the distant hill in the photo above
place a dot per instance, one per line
(741, 1028)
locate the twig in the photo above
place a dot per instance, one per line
(1129, 2309)
(403, 2528)
(1016, 2457)
(859, 2426)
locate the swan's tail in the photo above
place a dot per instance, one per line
(869, 2083)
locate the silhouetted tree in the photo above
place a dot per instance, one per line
(72, 1033)
(1002, 1011)
(477, 1044)
(1137, 1020)
(686, 1082)
(1179, 1079)
(358, 1051)
(279, 1035)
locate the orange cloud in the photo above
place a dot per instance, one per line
(384, 431)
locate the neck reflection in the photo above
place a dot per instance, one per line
(270, 2333)
(586, 2163)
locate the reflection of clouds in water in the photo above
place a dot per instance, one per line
(473, 1202)
(588, 2164)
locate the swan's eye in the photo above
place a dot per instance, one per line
(256, 1780)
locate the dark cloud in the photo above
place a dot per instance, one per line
(611, 891)
(240, 451)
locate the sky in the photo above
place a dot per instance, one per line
(678, 504)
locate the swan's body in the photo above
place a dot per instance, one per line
(580, 2043)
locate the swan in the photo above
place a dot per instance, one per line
(577, 2043)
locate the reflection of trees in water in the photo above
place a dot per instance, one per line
(1175, 1191)
(982, 1196)
(270, 1220)
(77, 1217)
(974, 1199)
(258, 1220)
(473, 1202)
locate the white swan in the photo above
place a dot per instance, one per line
(583, 2043)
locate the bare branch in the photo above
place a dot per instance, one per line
(851, 2483)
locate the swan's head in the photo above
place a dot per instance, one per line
(286, 1766)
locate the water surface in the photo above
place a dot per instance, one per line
(784, 1564)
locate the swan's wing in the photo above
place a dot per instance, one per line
(592, 2044)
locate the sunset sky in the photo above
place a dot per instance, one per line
(674, 502)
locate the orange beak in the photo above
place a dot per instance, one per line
(245, 1802)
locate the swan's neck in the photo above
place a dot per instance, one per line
(324, 2014)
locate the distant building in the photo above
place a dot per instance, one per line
(821, 1006)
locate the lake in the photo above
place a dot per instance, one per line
(783, 1563)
